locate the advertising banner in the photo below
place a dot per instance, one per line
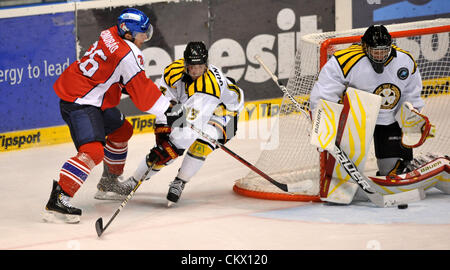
(368, 12)
(34, 51)
(234, 32)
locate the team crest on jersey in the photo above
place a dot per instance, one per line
(402, 73)
(389, 93)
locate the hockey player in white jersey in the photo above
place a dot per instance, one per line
(210, 101)
(379, 67)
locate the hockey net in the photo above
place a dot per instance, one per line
(294, 160)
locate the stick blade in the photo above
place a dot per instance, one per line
(99, 226)
(396, 199)
(300, 187)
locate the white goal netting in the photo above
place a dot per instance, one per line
(295, 160)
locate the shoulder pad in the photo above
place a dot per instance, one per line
(137, 54)
(174, 72)
(407, 53)
(347, 58)
(206, 84)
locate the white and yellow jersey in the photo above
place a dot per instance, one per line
(400, 80)
(211, 91)
(211, 96)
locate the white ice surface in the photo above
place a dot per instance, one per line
(209, 215)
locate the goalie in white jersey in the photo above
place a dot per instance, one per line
(208, 100)
(379, 67)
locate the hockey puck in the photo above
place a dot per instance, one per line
(402, 206)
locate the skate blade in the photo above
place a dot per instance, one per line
(55, 217)
(108, 195)
(169, 204)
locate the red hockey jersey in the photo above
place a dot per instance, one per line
(109, 65)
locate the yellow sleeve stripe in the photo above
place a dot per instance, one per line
(347, 58)
(352, 48)
(221, 110)
(173, 72)
(235, 89)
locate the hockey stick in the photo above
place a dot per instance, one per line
(365, 183)
(291, 188)
(99, 223)
(281, 86)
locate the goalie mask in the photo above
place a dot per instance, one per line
(377, 44)
(134, 21)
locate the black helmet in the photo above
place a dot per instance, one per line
(376, 43)
(195, 53)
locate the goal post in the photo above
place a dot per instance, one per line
(295, 159)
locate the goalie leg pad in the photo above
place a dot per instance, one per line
(431, 173)
(351, 127)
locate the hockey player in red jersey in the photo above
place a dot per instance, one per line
(90, 89)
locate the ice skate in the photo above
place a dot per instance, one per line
(113, 187)
(175, 189)
(58, 208)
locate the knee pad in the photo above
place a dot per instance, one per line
(94, 152)
(122, 134)
(387, 166)
(200, 149)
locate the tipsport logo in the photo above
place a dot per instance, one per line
(19, 141)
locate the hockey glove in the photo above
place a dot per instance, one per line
(175, 114)
(416, 127)
(162, 154)
(162, 133)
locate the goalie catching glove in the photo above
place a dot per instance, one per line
(416, 127)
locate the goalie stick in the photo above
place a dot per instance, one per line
(365, 183)
(291, 188)
(99, 223)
